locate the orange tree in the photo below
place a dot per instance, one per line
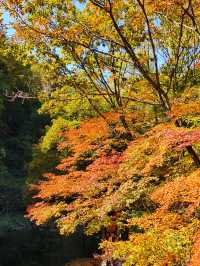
(146, 187)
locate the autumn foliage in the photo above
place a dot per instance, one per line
(118, 180)
(122, 87)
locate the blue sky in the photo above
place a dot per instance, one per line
(78, 4)
(7, 20)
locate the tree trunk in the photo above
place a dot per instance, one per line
(122, 119)
(190, 149)
(194, 155)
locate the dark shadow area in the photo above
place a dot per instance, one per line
(21, 243)
(42, 248)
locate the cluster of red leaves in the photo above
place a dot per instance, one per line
(107, 178)
(177, 200)
(85, 186)
(79, 190)
(179, 137)
(150, 152)
(117, 180)
(92, 135)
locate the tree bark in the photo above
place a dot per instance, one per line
(194, 155)
(189, 148)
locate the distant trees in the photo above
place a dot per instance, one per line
(20, 124)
